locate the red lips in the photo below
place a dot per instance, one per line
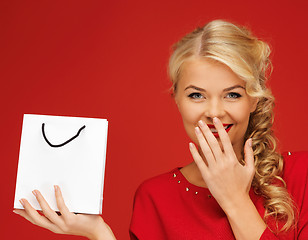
(211, 126)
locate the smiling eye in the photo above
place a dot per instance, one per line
(233, 95)
(195, 95)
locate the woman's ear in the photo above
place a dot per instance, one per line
(173, 95)
(254, 104)
(176, 99)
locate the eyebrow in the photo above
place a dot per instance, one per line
(224, 90)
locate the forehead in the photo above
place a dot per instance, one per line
(209, 75)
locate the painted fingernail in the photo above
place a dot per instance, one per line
(201, 123)
(197, 130)
(215, 120)
(250, 142)
(34, 193)
(22, 202)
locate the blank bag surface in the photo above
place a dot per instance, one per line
(65, 151)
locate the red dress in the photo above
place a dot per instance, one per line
(169, 207)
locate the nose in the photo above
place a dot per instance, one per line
(214, 108)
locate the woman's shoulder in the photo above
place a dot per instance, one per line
(295, 163)
(157, 184)
(295, 173)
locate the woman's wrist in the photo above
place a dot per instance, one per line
(232, 205)
(238, 203)
(245, 219)
(103, 232)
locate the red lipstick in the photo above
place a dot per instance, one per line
(214, 131)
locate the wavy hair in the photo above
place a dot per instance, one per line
(248, 57)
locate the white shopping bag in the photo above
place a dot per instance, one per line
(65, 151)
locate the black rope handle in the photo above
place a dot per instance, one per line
(62, 144)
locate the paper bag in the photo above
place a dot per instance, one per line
(65, 151)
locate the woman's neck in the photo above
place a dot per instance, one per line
(193, 175)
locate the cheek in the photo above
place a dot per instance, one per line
(191, 114)
(241, 114)
(241, 118)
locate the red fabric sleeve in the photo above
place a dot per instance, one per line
(132, 236)
(296, 177)
(268, 235)
(140, 208)
(303, 216)
(145, 222)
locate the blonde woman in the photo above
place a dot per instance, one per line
(238, 186)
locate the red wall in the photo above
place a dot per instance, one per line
(108, 59)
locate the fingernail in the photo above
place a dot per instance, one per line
(201, 123)
(22, 202)
(34, 193)
(56, 187)
(215, 120)
(191, 145)
(15, 212)
(250, 142)
(197, 130)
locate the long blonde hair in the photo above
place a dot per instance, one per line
(248, 57)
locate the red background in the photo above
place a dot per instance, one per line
(108, 59)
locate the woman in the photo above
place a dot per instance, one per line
(236, 186)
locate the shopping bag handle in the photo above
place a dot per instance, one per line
(62, 144)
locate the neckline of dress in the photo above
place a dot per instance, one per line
(180, 177)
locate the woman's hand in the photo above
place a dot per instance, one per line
(90, 226)
(228, 180)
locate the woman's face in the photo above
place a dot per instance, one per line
(210, 89)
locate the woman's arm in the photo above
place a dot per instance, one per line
(245, 221)
(229, 181)
(90, 226)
